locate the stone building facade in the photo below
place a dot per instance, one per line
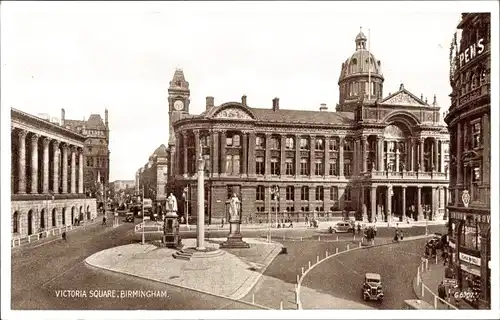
(153, 177)
(381, 158)
(469, 122)
(95, 152)
(46, 176)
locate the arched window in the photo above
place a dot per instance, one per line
(54, 217)
(42, 219)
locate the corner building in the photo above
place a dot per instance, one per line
(46, 176)
(153, 178)
(379, 158)
(469, 123)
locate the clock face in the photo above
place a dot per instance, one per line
(178, 105)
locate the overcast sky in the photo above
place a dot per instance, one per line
(86, 57)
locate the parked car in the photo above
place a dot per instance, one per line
(340, 227)
(372, 287)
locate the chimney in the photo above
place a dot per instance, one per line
(244, 100)
(276, 104)
(63, 113)
(209, 103)
(106, 117)
(323, 107)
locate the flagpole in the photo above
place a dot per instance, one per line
(369, 69)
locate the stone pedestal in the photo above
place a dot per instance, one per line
(234, 239)
(171, 237)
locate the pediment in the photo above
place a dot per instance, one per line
(404, 98)
(233, 113)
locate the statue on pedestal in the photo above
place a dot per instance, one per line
(171, 203)
(171, 238)
(234, 208)
(234, 239)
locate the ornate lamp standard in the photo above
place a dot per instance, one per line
(275, 193)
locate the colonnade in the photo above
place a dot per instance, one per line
(53, 174)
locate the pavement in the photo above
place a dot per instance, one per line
(431, 278)
(229, 275)
(341, 277)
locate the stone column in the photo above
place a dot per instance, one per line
(341, 156)
(34, 163)
(64, 166)
(80, 171)
(312, 148)
(397, 160)
(389, 203)
(22, 162)
(200, 235)
(363, 205)
(297, 155)
(341, 195)
(357, 158)
(440, 213)
(251, 154)
(177, 154)
(215, 153)
(46, 142)
(435, 154)
(421, 153)
(244, 159)
(185, 157)
(73, 170)
(434, 202)
(197, 150)
(380, 153)
(223, 142)
(373, 196)
(486, 142)
(326, 164)
(364, 147)
(420, 214)
(409, 155)
(404, 201)
(55, 177)
(267, 159)
(282, 155)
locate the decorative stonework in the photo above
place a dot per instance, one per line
(233, 113)
(392, 131)
(403, 99)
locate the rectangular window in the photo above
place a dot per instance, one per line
(259, 142)
(304, 193)
(320, 193)
(304, 209)
(320, 145)
(290, 193)
(290, 209)
(229, 164)
(289, 143)
(207, 167)
(304, 144)
(236, 140)
(259, 193)
(289, 167)
(275, 166)
(229, 142)
(476, 133)
(204, 140)
(274, 143)
(333, 146)
(318, 168)
(347, 168)
(333, 168)
(304, 167)
(348, 145)
(347, 194)
(334, 193)
(259, 166)
(236, 165)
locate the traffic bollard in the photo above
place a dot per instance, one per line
(326, 255)
(337, 238)
(309, 264)
(436, 258)
(317, 259)
(336, 250)
(300, 238)
(298, 279)
(359, 245)
(302, 269)
(423, 290)
(281, 305)
(253, 298)
(319, 238)
(347, 247)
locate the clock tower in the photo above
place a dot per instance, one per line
(178, 102)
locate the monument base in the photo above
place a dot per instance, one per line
(171, 241)
(193, 253)
(234, 239)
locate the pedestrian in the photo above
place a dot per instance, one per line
(442, 291)
(353, 231)
(374, 231)
(396, 235)
(401, 235)
(433, 251)
(63, 235)
(359, 229)
(222, 223)
(104, 220)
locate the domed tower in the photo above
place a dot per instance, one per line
(357, 71)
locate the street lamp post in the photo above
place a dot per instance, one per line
(186, 198)
(142, 201)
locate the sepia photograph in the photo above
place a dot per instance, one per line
(249, 159)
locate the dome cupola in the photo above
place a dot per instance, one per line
(358, 70)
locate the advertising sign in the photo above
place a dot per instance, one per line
(470, 269)
(450, 282)
(471, 52)
(470, 259)
(466, 198)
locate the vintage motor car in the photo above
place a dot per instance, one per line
(339, 227)
(129, 217)
(372, 287)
